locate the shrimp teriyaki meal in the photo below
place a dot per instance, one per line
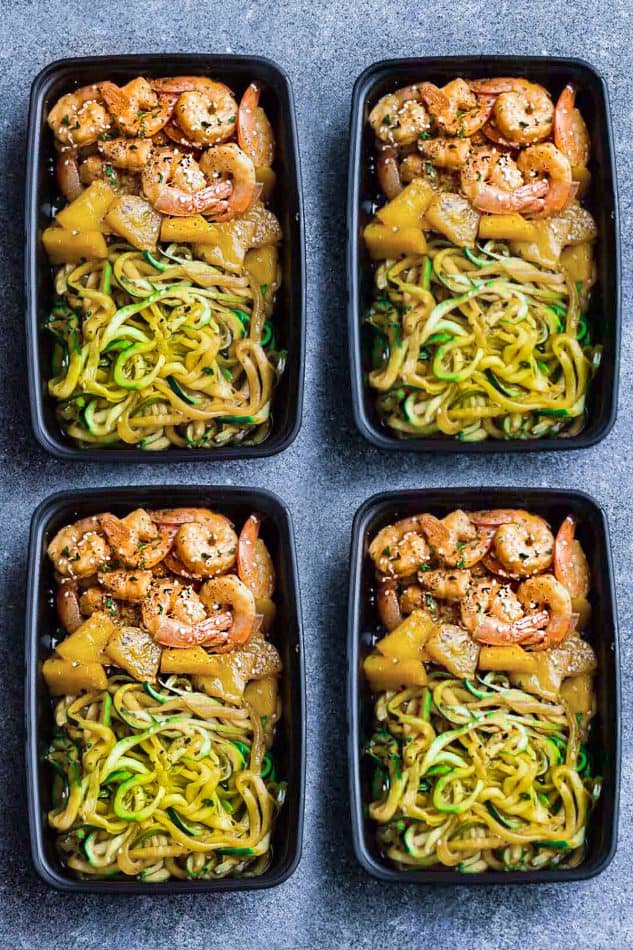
(166, 265)
(482, 691)
(483, 261)
(165, 687)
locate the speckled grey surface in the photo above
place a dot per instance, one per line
(324, 476)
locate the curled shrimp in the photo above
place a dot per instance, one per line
(400, 117)
(136, 108)
(493, 183)
(523, 111)
(388, 171)
(229, 591)
(456, 108)
(571, 136)
(254, 132)
(205, 542)
(132, 586)
(135, 539)
(545, 163)
(571, 568)
(175, 616)
(456, 540)
(228, 164)
(446, 584)
(446, 152)
(493, 614)
(400, 549)
(79, 118)
(553, 598)
(205, 110)
(255, 566)
(79, 549)
(175, 184)
(523, 543)
(129, 154)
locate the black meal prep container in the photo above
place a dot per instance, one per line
(41, 621)
(604, 313)
(364, 629)
(65, 75)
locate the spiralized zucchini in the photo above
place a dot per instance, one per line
(155, 783)
(479, 776)
(153, 351)
(479, 345)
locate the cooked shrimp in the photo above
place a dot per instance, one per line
(545, 163)
(455, 539)
(135, 539)
(400, 117)
(175, 184)
(446, 585)
(129, 154)
(446, 152)
(570, 562)
(205, 110)
(549, 594)
(493, 183)
(388, 171)
(484, 598)
(79, 549)
(126, 585)
(456, 109)
(571, 136)
(80, 117)
(176, 616)
(67, 174)
(228, 164)
(388, 605)
(229, 591)
(95, 598)
(94, 168)
(523, 543)
(493, 614)
(254, 132)
(205, 542)
(523, 111)
(136, 108)
(68, 606)
(255, 566)
(400, 549)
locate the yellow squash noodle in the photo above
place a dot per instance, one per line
(478, 345)
(159, 351)
(161, 783)
(478, 777)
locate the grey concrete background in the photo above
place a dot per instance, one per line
(324, 476)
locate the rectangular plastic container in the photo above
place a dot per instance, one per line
(41, 622)
(604, 313)
(363, 630)
(237, 71)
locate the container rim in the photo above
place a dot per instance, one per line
(52, 441)
(53, 875)
(371, 432)
(383, 871)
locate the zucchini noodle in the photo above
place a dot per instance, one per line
(478, 776)
(155, 783)
(479, 345)
(160, 350)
